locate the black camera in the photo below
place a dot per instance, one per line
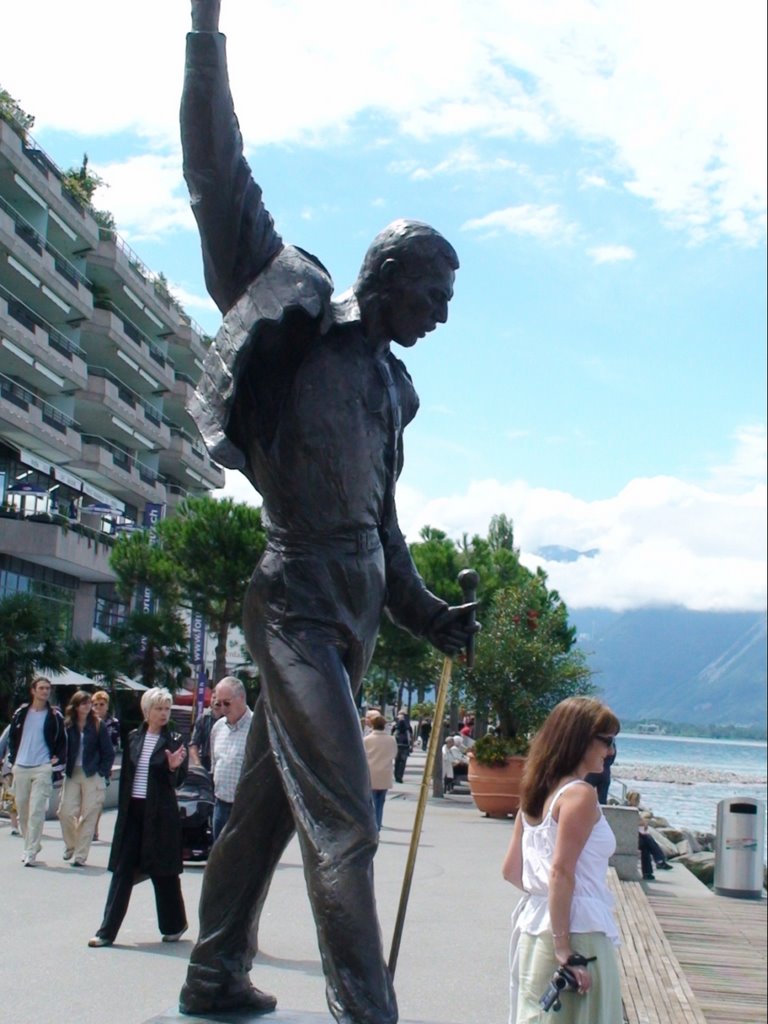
(563, 980)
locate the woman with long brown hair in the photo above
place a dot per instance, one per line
(558, 856)
(90, 755)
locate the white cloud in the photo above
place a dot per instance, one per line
(464, 160)
(611, 253)
(146, 195)
(661, 540)
(593, 181)
(239, 489)
(749, 464)
(672, 95)
(192, 300)
(527, 219)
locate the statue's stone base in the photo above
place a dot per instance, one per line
(248, 1017)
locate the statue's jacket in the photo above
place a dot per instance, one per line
(290, 393)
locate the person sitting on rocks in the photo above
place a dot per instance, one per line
(650, 853)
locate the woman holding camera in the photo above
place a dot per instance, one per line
(559, 857)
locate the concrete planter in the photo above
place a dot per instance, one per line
(496, 788)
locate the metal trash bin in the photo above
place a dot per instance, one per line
(740, 848)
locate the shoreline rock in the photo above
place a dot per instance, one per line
(683, 775)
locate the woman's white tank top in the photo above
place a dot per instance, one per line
(592, 905)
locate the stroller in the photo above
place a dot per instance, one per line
(195, 799)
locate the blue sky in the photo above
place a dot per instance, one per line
(601, 171)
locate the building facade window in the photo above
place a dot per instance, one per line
(110, 611)
(55, 589)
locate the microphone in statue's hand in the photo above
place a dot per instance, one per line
(468, 580)
(453, 628)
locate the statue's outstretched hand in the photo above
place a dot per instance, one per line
(451, 628)
(205, 15)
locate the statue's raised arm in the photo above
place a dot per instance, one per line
(237, 234)
(205, 15)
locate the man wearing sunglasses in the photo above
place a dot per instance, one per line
(228, 737)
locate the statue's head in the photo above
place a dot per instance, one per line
(406, 281)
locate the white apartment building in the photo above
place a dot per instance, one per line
(97, 362)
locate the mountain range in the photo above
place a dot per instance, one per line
(671, 663)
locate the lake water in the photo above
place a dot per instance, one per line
(686, 800)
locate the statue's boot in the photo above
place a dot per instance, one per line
(207, 989)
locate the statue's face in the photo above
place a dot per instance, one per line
(414, 306)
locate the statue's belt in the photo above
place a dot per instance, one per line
(360, 540)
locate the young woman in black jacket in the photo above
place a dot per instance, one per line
(89, 762)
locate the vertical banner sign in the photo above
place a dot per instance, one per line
(153, 513)
(197, 657)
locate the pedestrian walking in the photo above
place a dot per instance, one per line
(37, 750)
(147, 838)
(90, 756)
(380, 751)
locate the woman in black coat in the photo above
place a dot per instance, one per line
(147, 840)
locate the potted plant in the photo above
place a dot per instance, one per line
(525, 664)
(495, 774)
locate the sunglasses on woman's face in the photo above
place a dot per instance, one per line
(609, 741)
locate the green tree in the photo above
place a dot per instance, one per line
(12, 113)
(154, 645)
(139, 562)
(213, 546)
(29, 643)
(103, 660)
(81, 183)
(525, 661)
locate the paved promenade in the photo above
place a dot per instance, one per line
(452, 966)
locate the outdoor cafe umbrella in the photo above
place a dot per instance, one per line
(33, 490)
(68, 677)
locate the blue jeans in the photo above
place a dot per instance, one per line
(221, 812)
(378, 796)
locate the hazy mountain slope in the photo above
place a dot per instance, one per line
(676, 664)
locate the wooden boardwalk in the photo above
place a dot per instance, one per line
(720, 943)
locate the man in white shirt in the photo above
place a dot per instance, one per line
(228, 738)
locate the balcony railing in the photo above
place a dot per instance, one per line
(22, 397)
(185, 378)
(30, 319)
(193, 442)
(123, 459)
(136, 335)
(35, 241)
(159, 284)
(128, 395)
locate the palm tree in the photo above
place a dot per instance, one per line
(155, 646)
(29, 642)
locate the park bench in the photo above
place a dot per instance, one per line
(654, 988)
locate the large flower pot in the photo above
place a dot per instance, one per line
(496, 788)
